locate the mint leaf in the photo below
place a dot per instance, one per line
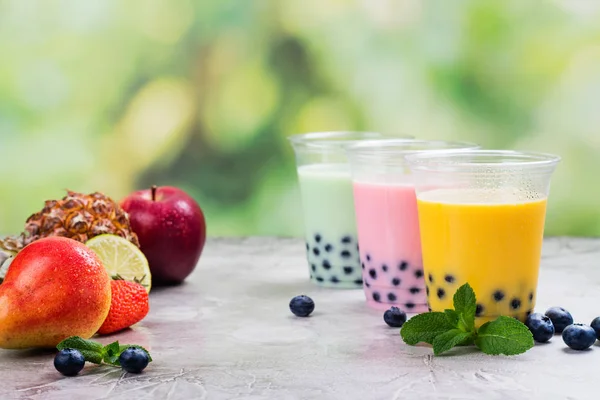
(452, 317)
(447, 340)
(425, 327)
(111, 353)
(465, 305)
(504, 335)
(91, 351)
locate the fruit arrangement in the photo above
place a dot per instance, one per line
(84, 265)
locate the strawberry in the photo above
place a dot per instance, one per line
(129, 305)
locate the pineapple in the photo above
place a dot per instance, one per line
(76, 216)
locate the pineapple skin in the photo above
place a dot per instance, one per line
(76, 216)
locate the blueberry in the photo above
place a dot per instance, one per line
(394, 317)
(134, 360)
(541, 327)
(560, 317)
(69, 362)
(302, 306)
(596, 326)
(579, 336)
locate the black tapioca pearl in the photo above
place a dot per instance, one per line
(414, 290)
(362, 265)
(530, 297)
(391, 297)
(348, 270)
(441, 293)
(346, 254)
(419, 273)
(402, 266)
(326, 264)
(367, 284)
(368, 257)
(328, 247)
(319, 279)
(410, 305)
(449, 278)
(347, 239)
(318, 238)
(376, 297)
(395, 281)
(479, 310)
(334, 279)
(384, 268)
(498, 295)
(427, 290)
(316, 251)
(430, 277)
(307, 247)
(515, 304)
(358, 281)
(313, 267)
(373, 273)
(357, 247)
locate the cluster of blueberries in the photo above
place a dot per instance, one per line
(542, 326)
(70, 362)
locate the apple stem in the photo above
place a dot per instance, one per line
(153, 192)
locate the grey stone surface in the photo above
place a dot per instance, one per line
(227, 333)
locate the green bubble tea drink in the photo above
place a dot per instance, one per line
(387, 221)
(332, 248)
(482, 218)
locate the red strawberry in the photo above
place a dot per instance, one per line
(129, 305)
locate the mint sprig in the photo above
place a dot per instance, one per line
(95, 352)
(445, 330)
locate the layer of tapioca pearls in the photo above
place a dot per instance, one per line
(334, 261)
(517, 302)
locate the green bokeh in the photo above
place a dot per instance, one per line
(114, 96)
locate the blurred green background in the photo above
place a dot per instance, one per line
(113, 95)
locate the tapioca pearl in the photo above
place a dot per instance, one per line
(498, 295)
(391, 297)
(358, 281)
(410, 305)
(362, 265)
(515, 303)
(357, 247)
(367, 284)
(313, 267)
(419, 273)
(347, 239)
(326, 264)
(319, 279)
(430, 277)
(316, 251)
(345, 254)
(441, 293)
(348, 270)
(479, 310)
(373, 273)
(384, 268)
(530, 297)
(334, 279)
(368, 257)
(402, 266)
(376, 297)
(328, 248)
(396, 281)
(427, 290)
(449, 278)
(414, 290)
(307, 247)
(318, 238)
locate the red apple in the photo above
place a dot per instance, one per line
(171, 229)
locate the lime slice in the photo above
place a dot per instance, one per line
(122, 258)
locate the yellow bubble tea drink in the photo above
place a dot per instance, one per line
(481, 217)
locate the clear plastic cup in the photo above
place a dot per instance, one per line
(482, 216)
(328, 206)
(387, 221)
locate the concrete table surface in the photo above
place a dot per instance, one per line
(227, 333)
